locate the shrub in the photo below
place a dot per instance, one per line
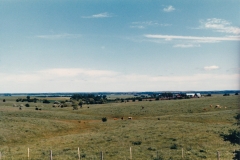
(151, 149)
(104, 119)
(136, 142)
(46, 101)
(174, 146)
(236, 155)
(233, 136)
(4, 100)
(27, 105)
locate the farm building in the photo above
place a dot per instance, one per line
(193, 95)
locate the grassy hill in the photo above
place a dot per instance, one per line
(162, 128)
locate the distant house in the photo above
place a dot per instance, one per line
(198, 95)
(193, 95)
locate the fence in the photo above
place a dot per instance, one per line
(78, 156)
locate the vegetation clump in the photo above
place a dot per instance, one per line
(174, 146)
(136, 142)
(233, 135)
(104, 119)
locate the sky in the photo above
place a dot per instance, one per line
(119, 45)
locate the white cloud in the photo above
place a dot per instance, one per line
(59, 36)
(186, 45)
(168, 9)
(219, 25)
(200, 39)
(208, 68)
(89, 80)
(145, 24)
(100, 15)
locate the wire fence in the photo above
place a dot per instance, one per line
(104, 155)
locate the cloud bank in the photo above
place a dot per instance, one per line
(89, 80)
(219, 25)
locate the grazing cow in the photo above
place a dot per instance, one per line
(218, 106)
(130, 118)
(122, 118)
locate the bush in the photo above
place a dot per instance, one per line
(233, 136)
(46, 101)
(236, 155)
(4, 100)
(174, 146)
(137, 143)
(104, 119)
(226, 94)
(27, 105)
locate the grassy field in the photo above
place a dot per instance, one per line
(162, 128)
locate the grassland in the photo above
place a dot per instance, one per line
(163, 127)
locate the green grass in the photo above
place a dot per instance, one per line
(189, 124)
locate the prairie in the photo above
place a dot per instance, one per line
(162, 128)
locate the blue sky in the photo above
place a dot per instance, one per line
(119, 45)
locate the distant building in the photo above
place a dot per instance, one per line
(193, 95)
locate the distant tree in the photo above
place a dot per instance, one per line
(46, 101)
(27, 105)
(28, 97)
(226, 94)
(74, 105)
(236, 93)
(4, 100)
(80, 103)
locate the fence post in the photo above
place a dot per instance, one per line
(218, 155)
(28, 153)
(182, 153)
(101, 154)
(130, 153)
(79, 154)
(50, 154)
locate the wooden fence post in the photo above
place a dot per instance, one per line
(218, 155)
(28, 153)
(130, 153)
(182, 153)
(101, 154)
(50, 154)
(79, 154)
